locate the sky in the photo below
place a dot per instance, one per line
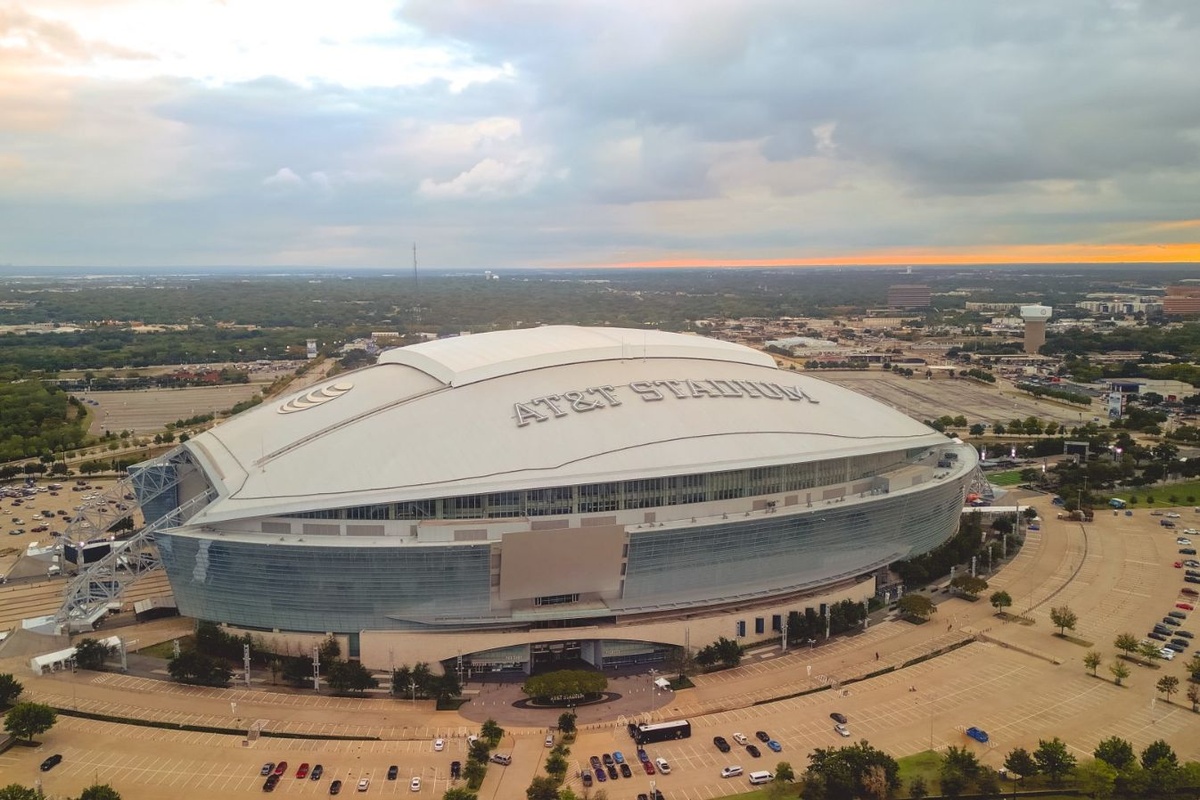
(582, 133)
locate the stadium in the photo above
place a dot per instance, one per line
(520, 498)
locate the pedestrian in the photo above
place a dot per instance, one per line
(877, 656)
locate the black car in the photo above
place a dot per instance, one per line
(753, 751)
(1162, 637)
(762, 736)
(1192, 573)
(335, 787)
(51, 762)
(1171, 621)
(607, 759)
(271, 783)
(1177, 614)
(721, 744)
(626, 772)
(1178, 648)
(455, 769)
(595, 762)
(1180, 642)
(838, 718)
(316, 773)
(658, 795)
(1184, 634)
(1187, 551)
(612, 771)
(393, 771)
(587, 780)
(1192, 579)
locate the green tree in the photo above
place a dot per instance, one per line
(92, 653)
(962, 761)
(917, 789)
(15, 791)
(473, 772)
(1020, 762)
(1053, 759)
(1092, 661)
(194, 667)
(1115, 751)
(566, 723)
(1064, 619)
(952, 783)
(329, 650)
(784, 772)
(1168, 685)
(556, 766)
(564, 685)
(10, 689)
(459, 793)
(1157, 751)
(1149, 652)
(847, 772)
(26, 720)
(1127, 643)
(349, 676)
(542, 788)
(988, 783)
(445, 687)
(917, 606)
(1001, 600)
(100, 791)
(1119, 671)
(1193, 696)
(1096, 778)
(491, 731)
(969, 585)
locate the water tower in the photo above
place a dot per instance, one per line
(1035, 318)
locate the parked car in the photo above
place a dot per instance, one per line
(364, 784)
(587, 779)
(415, 784)
(753, 751)
(335, 787)
(317, 772)
(740, 738)
(836, 717)
(1166, 653)
(626, 772)
(1177, 614)
(648, 766)
(978, 735)
(841, 729)
(302, 770)
(270, 783)
(643, 756)
(439, 745)
(600, 776)
(775, 746)
(721, 744)
(618, 757)
(51, 762)
(455, 770)
(762, 736)
(281, 768)
(611, 769)
(1162, 637)
(607, 759)
(393, 772)
(1184, 634)
(1187, 551)
(267, 768)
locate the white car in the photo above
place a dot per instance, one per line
(1167, 653)
(740, 738)
(663, 766)
(415, 784)
(1183, 540)
(1172, 515)
(842, 730)
(439, 745)
(364, 784)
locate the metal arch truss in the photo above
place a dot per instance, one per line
(100, 583)
(978, 484)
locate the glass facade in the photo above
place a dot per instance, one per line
(776, 552)
(295, 587)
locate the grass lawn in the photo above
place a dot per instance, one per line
(925, 764)
(166, 650)
(1162, 495)
(1010, 478)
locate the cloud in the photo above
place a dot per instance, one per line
(284, 177)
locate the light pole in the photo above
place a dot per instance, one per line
(412, 687)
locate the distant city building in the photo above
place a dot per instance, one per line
(1126, 304)
(1182, 301)
(990, 308)
(909, 295)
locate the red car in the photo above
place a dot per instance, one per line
(1178, 565)
(1185, 606)
(281, 768)
(649, 767)
(302, 770)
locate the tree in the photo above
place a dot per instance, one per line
(491, 731)
(446, 686)
(1053, 759)
(846, 772)
(1127, 643)
(1193, 666)
(10, 689)
(15, 791)
(1020, 762)
(1092, 661)
(952, 783)
(1064, 619)
(566, 723)
(26, 720)
(1119, 671)
(349, 676)
(556, 766)
(329, 650)
(473, 772)
(564, 685)
(100, 791)
(1115, 751)
(1096, 778)
(784, 772)
(92, 653)
(1001, 600)
(1157, 751)
(1168, 685)
(1149, 652)
(459, 793)
(1193, 696)
(988, 783)
(479, 750)
(542, 788)
(194, 667)
(962, 761)
(917, 790)
(969, 585)
(917, 606)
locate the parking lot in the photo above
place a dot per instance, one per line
(1017, 682)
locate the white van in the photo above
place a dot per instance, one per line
(761, 777)
(663, 766)
(731, 772)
